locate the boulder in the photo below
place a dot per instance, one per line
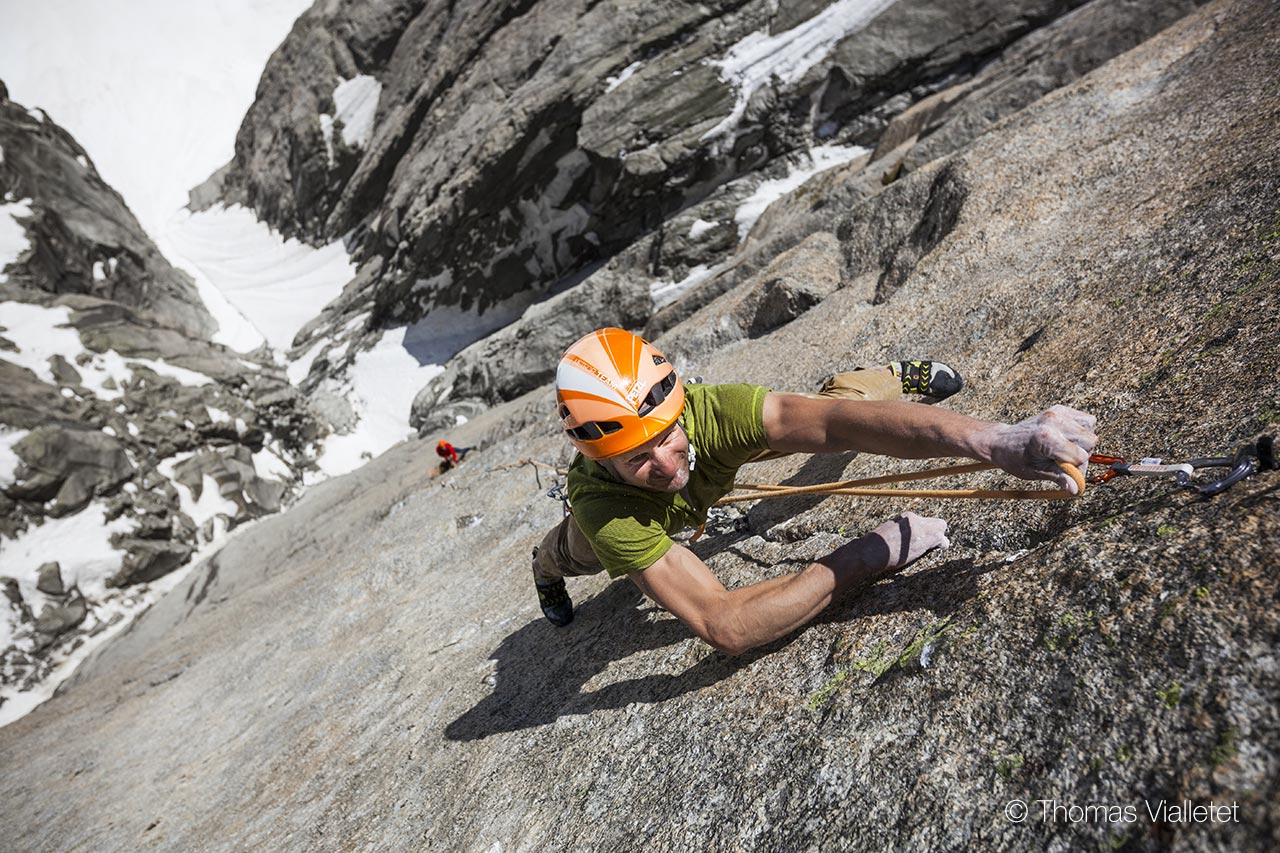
(49, 579)
(146, 560)
(237, 480)
(68, 467)
(800, 279)
(11, 591)
(59, 618)
(63, 372)
(26, 402)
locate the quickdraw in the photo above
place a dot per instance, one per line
(559, 492)
(1248, 460)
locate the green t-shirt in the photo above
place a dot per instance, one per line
(629, 528)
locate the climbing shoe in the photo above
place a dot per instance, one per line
(930, 378)
(554, 599)
(556, 605)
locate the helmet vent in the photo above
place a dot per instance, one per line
(594, 430)
(657, 394)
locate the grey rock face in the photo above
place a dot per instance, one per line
(923, 111)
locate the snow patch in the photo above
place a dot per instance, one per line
(9, 460)
(300, 367)
(217, 415)
(270, 466)
(79, 543)
(664, 292)
(754, 61)
(817, 160)
(356, 101)
(381, 383)
(13, 237)
(209, 505)
(700, 227)
(272, 286)
(326, 132)
(624, 75)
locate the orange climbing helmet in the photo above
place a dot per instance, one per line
(614, 392)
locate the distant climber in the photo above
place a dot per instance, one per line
(654, 456)
(449, 454)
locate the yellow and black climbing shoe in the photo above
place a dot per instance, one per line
(930, 378)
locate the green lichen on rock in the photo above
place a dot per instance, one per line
(1171, 696)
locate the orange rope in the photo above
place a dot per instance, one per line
(856, 487)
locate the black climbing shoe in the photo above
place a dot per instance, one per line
(930, 378)
(556, 605)
(554, 598)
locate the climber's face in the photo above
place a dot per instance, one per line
(659, 465)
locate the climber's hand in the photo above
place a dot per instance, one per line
(904, 538)
(1032, 449)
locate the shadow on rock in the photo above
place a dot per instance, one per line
(541, 670)
(818, 468)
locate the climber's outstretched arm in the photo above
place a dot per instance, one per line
(740, 619)
(1029, 449)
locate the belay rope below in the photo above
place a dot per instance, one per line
(861, 487)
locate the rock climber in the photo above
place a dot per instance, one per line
(654, 454)
(449, 454)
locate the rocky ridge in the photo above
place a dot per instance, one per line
(515, 149)
(370, 667)
(147, 405)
